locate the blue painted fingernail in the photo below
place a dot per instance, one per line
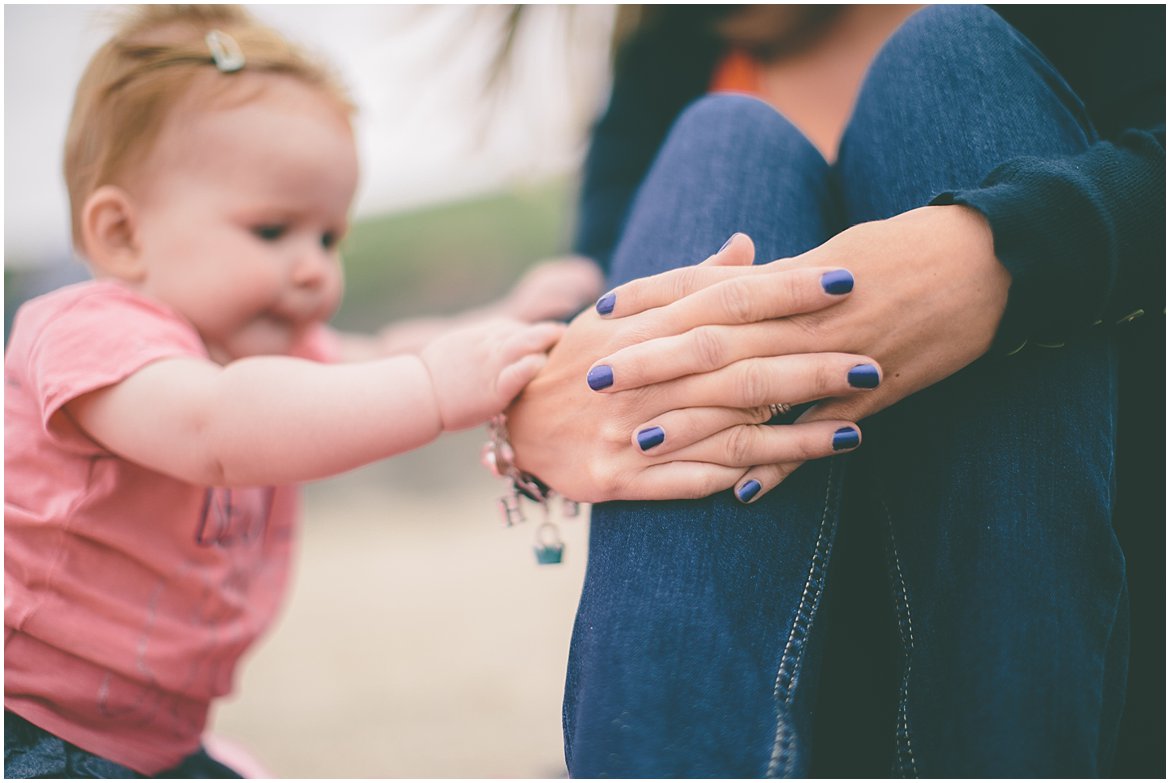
(600, 377)
(605, 304)
(846, 438)
(864, 376)
(748, 491)
(837, 282)
(650, 437)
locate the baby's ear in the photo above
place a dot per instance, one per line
(109, 234)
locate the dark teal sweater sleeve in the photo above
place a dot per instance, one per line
(1084, 237)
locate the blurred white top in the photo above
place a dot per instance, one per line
(426, 131)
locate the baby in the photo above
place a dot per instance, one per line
(158, 417)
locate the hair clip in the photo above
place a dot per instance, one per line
(225, 52)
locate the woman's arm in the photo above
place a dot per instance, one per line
(1084, 237)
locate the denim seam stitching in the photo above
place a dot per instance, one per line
(905, 749)
(789, 671)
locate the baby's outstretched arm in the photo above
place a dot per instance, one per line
(276, 420)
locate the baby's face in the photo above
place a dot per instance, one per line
(240, 215)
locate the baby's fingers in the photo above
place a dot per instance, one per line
(534, 338)
(515, 376)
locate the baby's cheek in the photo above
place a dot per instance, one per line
(333, 303)
(331, 296)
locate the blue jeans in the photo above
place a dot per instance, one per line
(701, 630)
(32, 752)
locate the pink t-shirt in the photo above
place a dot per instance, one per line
(129, 596)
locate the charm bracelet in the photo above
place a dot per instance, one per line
(498, 457)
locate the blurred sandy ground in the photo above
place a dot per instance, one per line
(420, 638)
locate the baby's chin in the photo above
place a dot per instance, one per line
(263, 337)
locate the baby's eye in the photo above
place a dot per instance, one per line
(269, 233)
(329, 240)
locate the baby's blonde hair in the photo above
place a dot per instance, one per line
(150, 64)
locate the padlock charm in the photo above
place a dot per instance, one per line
(549, 555)
(549, 548)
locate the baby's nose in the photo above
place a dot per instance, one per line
(311, 268)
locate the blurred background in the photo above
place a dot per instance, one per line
(420, 638)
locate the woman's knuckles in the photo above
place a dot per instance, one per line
(752, 382)
(737, 303)
(707, 349)
(760, 414)
(827, 377)
(812, 326)
(682, 283)
(808, 447)
(709, 485)
(614, 433)
(793, 291)
(742, 444)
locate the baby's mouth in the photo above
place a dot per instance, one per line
(273, 318)
(289, 323)
(275, 328)
(296, 315)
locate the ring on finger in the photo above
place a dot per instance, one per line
(778, 409)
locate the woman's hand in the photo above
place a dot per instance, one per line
(578, 441)
(929, 297)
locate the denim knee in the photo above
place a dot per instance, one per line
(728, 162)
(971, 43)
(954, 92)
(966, 33)
(726, 114)
(749, 125)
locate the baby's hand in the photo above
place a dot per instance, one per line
(477, 371)
(553, 289)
